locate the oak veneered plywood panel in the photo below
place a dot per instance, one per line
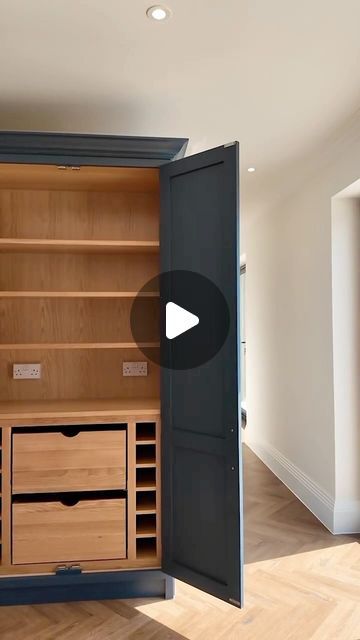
(70, 215)
(72, 320)
(55, 462)
(76, 272)
(85, 178)
(77, 374)
(21, 245)
(53, 532)
(89, 410)
(5, 499)
(75, 248)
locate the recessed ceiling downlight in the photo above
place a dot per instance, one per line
(251, 169)
(158, 12)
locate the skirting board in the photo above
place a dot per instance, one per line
(340, 517)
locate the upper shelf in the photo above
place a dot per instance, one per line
(84, 178)
(79, 294)
(59, 346)
(22, 245)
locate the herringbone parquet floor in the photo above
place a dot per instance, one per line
(301, 584)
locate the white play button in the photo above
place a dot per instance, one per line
(178, 320)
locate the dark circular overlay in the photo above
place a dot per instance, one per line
(193, 292)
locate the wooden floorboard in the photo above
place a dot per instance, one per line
(302, 583)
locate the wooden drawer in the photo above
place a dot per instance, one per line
(53, 532)
(54, 462)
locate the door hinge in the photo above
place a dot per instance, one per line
(64, 570)
(65, 167)
(235, 602)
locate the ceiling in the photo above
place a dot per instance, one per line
(279, 76)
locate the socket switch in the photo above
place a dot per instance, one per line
(135, 369)
(27, 371)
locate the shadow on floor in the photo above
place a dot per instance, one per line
(277, 524)
(108, 620)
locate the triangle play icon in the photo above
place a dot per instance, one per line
(178, 320)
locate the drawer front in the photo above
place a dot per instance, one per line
(54, 462)
(54, 532)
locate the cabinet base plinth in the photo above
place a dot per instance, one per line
(88, 586)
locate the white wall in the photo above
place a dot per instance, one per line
(346, 358)
(290, 375)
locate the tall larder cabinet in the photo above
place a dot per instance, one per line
(113, 484)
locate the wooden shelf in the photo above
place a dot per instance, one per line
(78, 294)
(145, 554)
(80, 345)
(143, 510)
(145, 504)
(145, 464)
(144, 530)
(19, 410)
(142, 486)
(85, 246)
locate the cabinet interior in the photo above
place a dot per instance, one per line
(76, 246)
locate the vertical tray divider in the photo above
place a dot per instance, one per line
(131, 490)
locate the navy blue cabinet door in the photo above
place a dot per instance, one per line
(201, 448)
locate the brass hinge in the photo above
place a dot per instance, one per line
(65, 167)
(65, 570)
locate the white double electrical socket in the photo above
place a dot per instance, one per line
(135, 369)
(27, 371)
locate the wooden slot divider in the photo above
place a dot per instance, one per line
(6, 497)
(146, 505)
(131, 490)
(158, 489)
(0, 499)
(149, 487)
(146, 464)
(148, 543)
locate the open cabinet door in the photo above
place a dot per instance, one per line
(201, 454)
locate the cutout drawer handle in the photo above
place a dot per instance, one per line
(70, 501)
(70, 433)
